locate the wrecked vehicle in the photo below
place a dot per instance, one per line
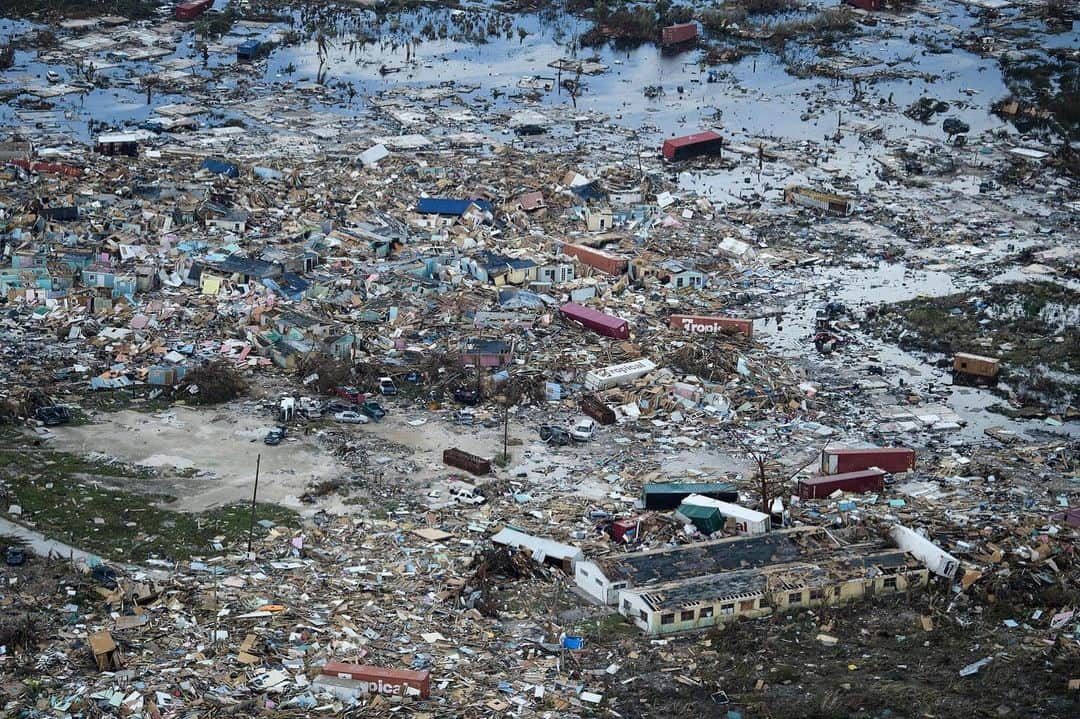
(553, 434)
(274, 436)
(53, 416)
(583, 429)
(373, 409)
(351, 418)
(470, 397)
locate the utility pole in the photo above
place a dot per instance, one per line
(254, 494)
(506, 426)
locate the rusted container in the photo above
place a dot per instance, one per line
(592, 406)
(676, 34)
(463, 460)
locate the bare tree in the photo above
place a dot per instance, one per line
(771, 477)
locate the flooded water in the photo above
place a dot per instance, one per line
(367, 58)
(886, 283)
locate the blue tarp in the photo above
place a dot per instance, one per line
(448, 206)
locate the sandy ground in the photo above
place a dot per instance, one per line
(206, 457)
(221, 444)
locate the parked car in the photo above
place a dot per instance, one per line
(466, 396)
(583, 429)
(373, 409)
(387, 386)
(554, 435)
(274, 436)
(351, 418)
(348, 393)
(15, 556)
(105, 575)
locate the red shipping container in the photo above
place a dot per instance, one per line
(674, 34)
(53, 168)
(867, 480)
(192, 9)
(891, 459)
(623, 530)
(597, 259)
(703, 325)
(687, 146)
(381, 680)
(597, 321)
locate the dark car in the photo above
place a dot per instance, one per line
(335, 406)
(466, 396)
(274, 436)
(15, 556)
(554, 435)
(414, 378)
(105, 575)
(373, 409)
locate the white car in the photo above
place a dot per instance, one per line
(583, 429)
(352, 418)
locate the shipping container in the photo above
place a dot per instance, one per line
(975, 369)
(625, 529)
(192, 9)
(707, 325)
(597, 259)
(696, 145)
(706, 519)
(381, 680)
(669, 495)
(814, 199)
(597, 321)
(746, 520)
(866, 480)
(675, 34)
(461, 459)
(595, 408)
(615, 375)
(891, 459)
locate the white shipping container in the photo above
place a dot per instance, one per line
(615, 375)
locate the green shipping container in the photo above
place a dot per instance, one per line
(706, 519)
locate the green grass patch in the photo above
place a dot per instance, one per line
(1005, 321)
(77, 500)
